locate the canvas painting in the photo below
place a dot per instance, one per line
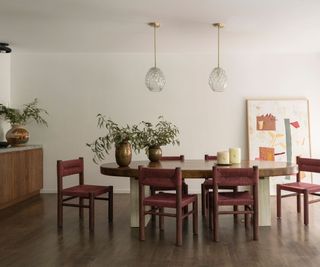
(278, 130)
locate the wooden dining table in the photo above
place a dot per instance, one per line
(200, 169)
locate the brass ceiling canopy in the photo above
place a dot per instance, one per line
(218, 24)
(154, 24)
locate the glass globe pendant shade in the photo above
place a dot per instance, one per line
(218, 80)
(155, 80)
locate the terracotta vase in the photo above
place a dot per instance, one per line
(154, 153)
(123, 154)
(17, 135)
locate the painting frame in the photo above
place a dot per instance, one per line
(278, 129)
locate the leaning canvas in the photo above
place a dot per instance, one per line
(278, 130)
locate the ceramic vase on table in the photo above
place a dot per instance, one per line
(17, 135)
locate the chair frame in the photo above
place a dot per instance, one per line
(205, 190)
(153, 189)
(155, 177)
(72, 167)
(241, 177)
(305, 189)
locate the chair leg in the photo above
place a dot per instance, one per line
(161, 219)
(203, 201)
(278, 201)
(210, 211)
(207, 201)
(110, 205)
(60, 211)
(306, 207)
(185, 192)
(235, 208)
(91, 213)
(141, 223)
(179, 227)
(195, 216)
(80, 207)
(152, 192)
(298, 203)
(255, 223)
(215, 223)
(246, 217)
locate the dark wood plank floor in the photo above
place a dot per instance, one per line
(29, 237)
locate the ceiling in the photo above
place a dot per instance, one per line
(120, 26)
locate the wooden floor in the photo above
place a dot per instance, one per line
(29, 237)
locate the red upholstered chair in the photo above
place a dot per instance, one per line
(298, 187)
(208, 185)
(81, 191)
(234, 177)
(165, 178)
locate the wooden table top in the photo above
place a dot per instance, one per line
(200, 168)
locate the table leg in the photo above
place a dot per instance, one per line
(134, 202)
(264, 202)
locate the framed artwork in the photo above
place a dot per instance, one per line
(278, 130)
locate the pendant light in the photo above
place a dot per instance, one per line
(155, 80)
(218, 77)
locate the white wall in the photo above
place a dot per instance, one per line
(75, 87)
(5, 74)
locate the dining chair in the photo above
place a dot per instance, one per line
(81, 191)
(301, 188)
(159, 201)
(207, 185)
(248, 199)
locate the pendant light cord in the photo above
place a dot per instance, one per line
(218, 46)
(155, 47)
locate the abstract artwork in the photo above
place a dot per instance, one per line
(278, 130)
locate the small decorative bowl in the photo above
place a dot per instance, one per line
(3, 144)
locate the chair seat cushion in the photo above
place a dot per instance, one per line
(300, 187)
(168, 200)
(237, 198)
(85, 190)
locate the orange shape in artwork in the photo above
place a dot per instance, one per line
(266, 153)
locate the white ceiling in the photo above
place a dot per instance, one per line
(99, 26)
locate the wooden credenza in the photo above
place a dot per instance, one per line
(21, 174)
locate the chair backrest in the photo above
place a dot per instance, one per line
(307, 165)
(210, 157)
(167, 158)
(235, 176)
(69, 167)
(160, 177)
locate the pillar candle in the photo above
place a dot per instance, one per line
(235, 155)
(223, 157)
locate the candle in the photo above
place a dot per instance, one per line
(235, 155)
(223, 157)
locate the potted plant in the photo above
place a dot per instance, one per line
(124, 138)
(153, 136)
(18, 135)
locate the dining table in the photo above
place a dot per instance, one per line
(202, 169)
